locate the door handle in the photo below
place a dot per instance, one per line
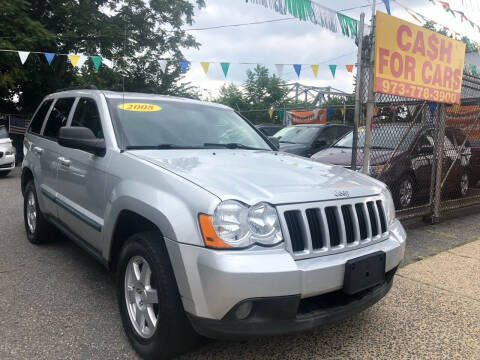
(37, 150)
(63, 161)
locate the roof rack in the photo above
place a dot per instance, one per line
(82, 87)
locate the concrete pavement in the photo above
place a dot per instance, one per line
(58, 303)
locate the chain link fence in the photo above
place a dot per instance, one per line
(427, 153)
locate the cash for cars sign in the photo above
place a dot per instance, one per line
(414, 62)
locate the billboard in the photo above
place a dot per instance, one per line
(414, 62)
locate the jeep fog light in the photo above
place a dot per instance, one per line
(244, 310)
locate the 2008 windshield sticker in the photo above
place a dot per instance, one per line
(139, 107)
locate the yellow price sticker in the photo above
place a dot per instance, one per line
(139, 107)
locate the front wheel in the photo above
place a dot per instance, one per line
(150, 306)
(4, 173)
(404, 193)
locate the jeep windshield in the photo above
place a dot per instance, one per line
(383, 138)
(157, 124)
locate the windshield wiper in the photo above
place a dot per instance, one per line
(159, 147)
(286, 142)
(341, 147)
(381, 148)
(232, 146)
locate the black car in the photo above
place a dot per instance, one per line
(305, 140)
(269, 129)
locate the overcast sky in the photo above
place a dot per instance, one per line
(293, 41)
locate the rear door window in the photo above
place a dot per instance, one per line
(58, 117)
(37, 121)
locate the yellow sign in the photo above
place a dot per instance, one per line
(414, 62)
(139, 107)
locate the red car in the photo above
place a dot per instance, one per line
(402, 159)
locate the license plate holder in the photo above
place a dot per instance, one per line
(364, 272)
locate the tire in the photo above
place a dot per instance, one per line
(463, 184)
(173, 333)
(405, 186)
(4, 173)
(38, 229)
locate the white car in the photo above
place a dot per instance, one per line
(7, 153)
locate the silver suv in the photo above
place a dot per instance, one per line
(209, 229)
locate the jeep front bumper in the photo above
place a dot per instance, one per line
(213, 284)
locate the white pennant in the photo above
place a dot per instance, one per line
(279, 69)
(107, 63)
(81, 60)
(23, 56)
(163, 65)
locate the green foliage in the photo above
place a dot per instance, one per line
(133, 33)
(260, 91)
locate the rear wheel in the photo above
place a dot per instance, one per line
(150, 306)
(404, 193)
(463, 184)
(38, 229)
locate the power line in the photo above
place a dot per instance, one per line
(242, 24)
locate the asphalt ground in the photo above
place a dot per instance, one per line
(58, 303)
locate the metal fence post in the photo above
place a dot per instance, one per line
(438, 162)
(371, 98)
(359, 84)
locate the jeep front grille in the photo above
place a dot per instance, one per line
(323, 228)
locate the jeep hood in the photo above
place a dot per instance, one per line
(253, 176)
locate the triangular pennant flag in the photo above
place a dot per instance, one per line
(333, 68)
(74, 59)
(433, 107)
(49, 57)
(342, 111)
(387, 6)
(82, 60)
(183, 66)
(163, 65)
(297, 68)
(456, 108)
(23, 56)
(108, 63)
(225, 66)
(329, 112)
(280, 69)
(270, 113)
(205, 65)
(314, 70)
(96, 60)
(280, 114)
(349, 68)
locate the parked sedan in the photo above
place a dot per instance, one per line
(402, 156)
(305, 140)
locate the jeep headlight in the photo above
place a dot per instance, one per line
(389, 206)
(237, 225)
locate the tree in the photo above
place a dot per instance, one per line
(133, 33)
(231, 95)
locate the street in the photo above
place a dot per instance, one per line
(58, 303)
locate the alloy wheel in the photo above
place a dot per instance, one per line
(31, 212)
(141, 297)
(405, 193)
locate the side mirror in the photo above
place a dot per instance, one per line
(425, 149)
(81, 138)
(274, 141)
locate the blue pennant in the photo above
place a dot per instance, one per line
(183, 66)
(297, 68)
(49, 57)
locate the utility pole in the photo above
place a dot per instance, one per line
(358, 89)
(371, 98)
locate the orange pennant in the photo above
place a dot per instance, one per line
(349, 68)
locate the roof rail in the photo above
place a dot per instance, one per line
(82, 87)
